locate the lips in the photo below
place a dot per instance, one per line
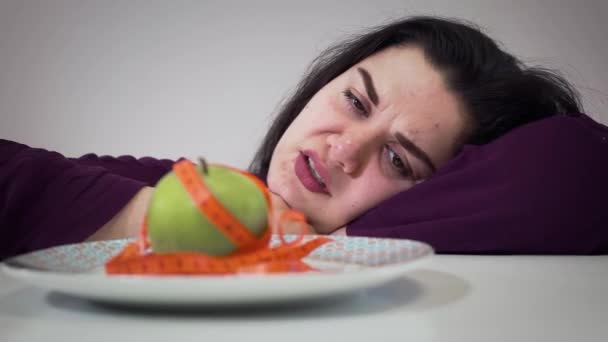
(305, 175)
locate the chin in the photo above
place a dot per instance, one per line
(323, 230)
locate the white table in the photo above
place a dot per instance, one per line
(449, 298)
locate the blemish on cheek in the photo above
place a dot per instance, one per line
(437, 125)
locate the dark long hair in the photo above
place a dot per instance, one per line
(497, 90)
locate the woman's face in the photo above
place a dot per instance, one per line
(376, 130)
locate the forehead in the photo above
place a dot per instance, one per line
(402, 71)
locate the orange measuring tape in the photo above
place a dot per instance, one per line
(253, 254)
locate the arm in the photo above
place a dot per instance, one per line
(148, 170)
(48, 200)
(127, 222)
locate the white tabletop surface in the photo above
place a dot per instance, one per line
(448, 298)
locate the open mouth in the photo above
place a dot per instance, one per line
(309, 175)
(313, 170)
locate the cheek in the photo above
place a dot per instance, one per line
(368, 191)
(321, 113)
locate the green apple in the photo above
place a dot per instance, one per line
(175, 223)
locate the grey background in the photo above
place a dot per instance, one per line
(189, 78)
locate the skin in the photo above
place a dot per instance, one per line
(356, 141)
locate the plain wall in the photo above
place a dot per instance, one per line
(190, 78)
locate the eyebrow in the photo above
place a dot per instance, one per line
(415, 150)
(407, 144)
(369, 85)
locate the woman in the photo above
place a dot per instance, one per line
(383, 111)
(375, 116)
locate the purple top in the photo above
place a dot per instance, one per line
(539, 189)
(47, 199)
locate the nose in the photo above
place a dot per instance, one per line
(347, 151)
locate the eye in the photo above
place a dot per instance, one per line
(355, 103)
(397, 164)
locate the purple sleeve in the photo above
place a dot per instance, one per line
(47, 199)
(147, 169)
(540, 189)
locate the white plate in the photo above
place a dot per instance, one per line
(346, 264)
